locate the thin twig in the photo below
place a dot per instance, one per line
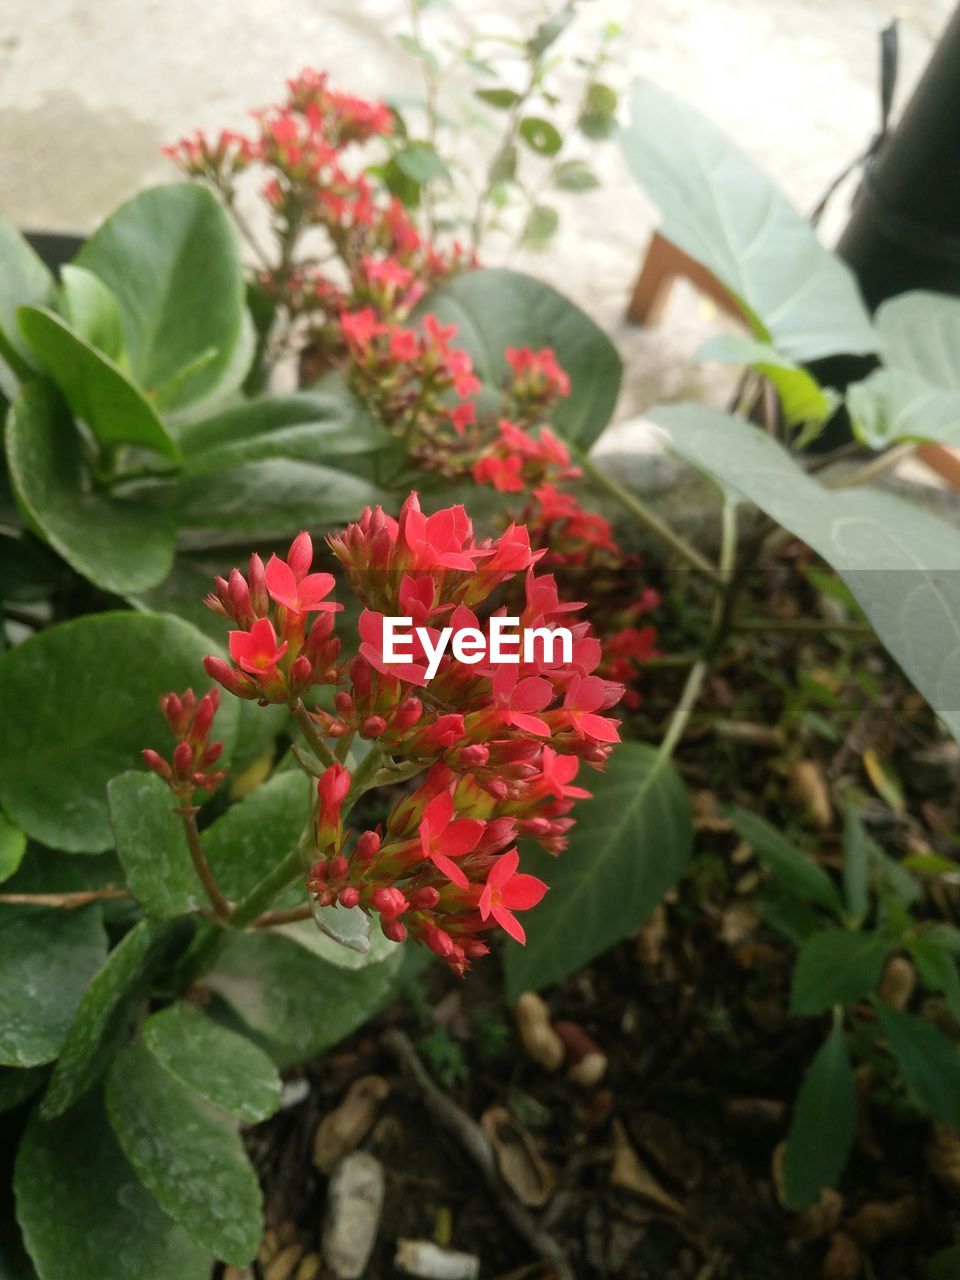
(290, 916)
(805, 626)
(877, 466)
(222, 908)
(311, 732)
(475, 1144)
(64, 901)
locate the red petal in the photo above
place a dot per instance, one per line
(523, 892)
(462, 836)
(530, 724)
(510, 924)
(450, 870)
(504, 867)
(532, 694)
(438, 812)
(600, 728)
(281, 583)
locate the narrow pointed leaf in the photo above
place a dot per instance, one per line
(835, 966)
(823, 1125)
(929, 1061)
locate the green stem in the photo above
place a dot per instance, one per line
(221, 906)
(803, 626)
(642, 512)
(311, 732)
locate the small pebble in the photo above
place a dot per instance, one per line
(425, 1259)
(293, 1093)
(309, 1268)
(285, 1263)
(354, 1205)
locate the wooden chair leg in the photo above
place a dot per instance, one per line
(663, 263)
(945, 462)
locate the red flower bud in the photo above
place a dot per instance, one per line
(407, 714)
(389, 902)
(344, 704)
(373, 727)
(183, 759)
(367, 846)
(394, 930)
(156, 763)
(349, 896)
(424, 899)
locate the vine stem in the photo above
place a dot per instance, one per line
(311, 733)
(643, 513)
(221, 907)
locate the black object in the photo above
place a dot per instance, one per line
(55, 248)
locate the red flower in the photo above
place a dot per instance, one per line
(442, 839)
(507, 891)
(515, 699)
(291, 586)
(583, 698)
(256, 651)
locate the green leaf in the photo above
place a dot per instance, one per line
(85, 1214)
(540, 227)
(598, 119)
(97, 391)
(13, 845)
(152, 846)
(944, 1265)
(105, 1014)
(309, 427)
(24, 281)
(267, 499)
(575, 175)
(823, 1125)
(791, 866)
(120, 544)
(91, 310)
(497, 308)
(254, 835)
(47, 957)
(631, 843)
(892, 554)
(937, 968)
(929, 1061)
(220, 1065)
(836, 967)
(187, 1154)
(420, 52)
(720, 209)
(540, 136)
(550, 30)
(890, 405)
(91, 688)
(856, 864)
(419, 162)
(300, 1004)
(502, 99)
(16, 1085)
(801, 396)
(503, 166)
(171, 259)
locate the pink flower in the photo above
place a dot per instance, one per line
(557, 772)
(442, 838)
(291, 586)
(583, 698)
(515, 699)
(256, 651)
(507, 891)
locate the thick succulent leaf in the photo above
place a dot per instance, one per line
(120, 544)
(24, 281)
(823, 1125)
(105, 1014)
(630, 844)
(91, 310)
(222, 1066)
(152, 846)
(719, 208)
(900, 562)
(85, 1214)
(97, 391)
(254, 835)
(13, 845)
(188, 1154)
(495, 308)
(91, 687)
(170, 258)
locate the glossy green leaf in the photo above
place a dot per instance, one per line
(540, 136)
(791, 866)
(540, 227)
(312, 427)
(856, 864)
(719, 208)
(823, 1125)
(13, 845)
(550, 30)
(575, 175)
(120, 544)
(630, 844)
(420, 162)
(91, 310)
(222, 1066)
(152, 846)
(937, 968)
(502, 99)
(802, 399)
(91, 686)
(836, 966)
(254, 835)
(85, 1214)
(890, 406)
(97, 391)
(598, 119)
(105, 1014)
(929, 1061)
(188, 1154)
(898, 560)
(24, 282)
(497, 308)
(300, 1004)
(171, 259)
(47, 957)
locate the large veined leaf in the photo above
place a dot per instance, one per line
(78, 702)
(222, 1066)
(152, 845)
(836, 966)
(630, 844)
(929, 1060)
(900, 562)
(803, 400)
(494, 309)
(298, 1003)
(84, 1212)
(916, 396)
(105, 1014)
(47, 957)
(24, 281)
(187, 1153)
(171, 259)
(97, 390)
(119, 544)
(823, 1125)
(719, 208)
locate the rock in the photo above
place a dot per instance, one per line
(354, 1205)
(425, 1259)
(344, 1128)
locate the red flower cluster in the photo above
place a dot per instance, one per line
(190, 723)
(499, 745)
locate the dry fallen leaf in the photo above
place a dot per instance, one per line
(521, 1165)
(822, 1218)
(632, 1174)
(843, 1259)
(898, 982)
(651, 937)
(874, 1223)
(738, 923)
(661, 1139)
(808, 792)
(344, 1128)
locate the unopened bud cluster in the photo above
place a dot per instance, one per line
(191, 763)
